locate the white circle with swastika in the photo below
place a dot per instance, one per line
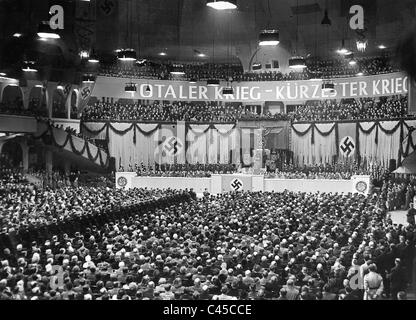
(236, 184)
(347, 146)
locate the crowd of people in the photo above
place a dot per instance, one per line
(251, 245)
(183, 170)
(348, 109)
(361, 109)
(325, 68)
(337, 171)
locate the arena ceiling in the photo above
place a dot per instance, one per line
(183, 28)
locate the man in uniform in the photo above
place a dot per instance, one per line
(373, 284)
(411, 215)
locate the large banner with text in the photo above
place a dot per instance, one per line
(286, 91)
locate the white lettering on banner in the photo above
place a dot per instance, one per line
(289, 96)
(181, 96)
(203, 93)
(376, 83)
(363, 89)
(304, 92)
(405, 84)
(143, 92)
(254, 96)
(244, 93)
(279, 94)
(315, 92)
(217, 93)
(170, 92)
(159, 89)
(385, 86)
(353, 89)
(192, 92)
(368, 86)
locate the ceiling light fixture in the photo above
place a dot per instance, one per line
(126, 55)
(228, 91)
(213, 82)
(222, 5)
(177, 71)
(343, 50)
(130, 88)
(328, 86)
(93, 58)
(45, 31)
(297, 63)
(269, 38)
(29, 66)
(88, 78)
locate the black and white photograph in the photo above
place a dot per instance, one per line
(208, 155)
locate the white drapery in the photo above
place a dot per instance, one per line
(321, 151)
(387, 146)
(126, 152)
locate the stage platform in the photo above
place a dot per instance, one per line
(242, 182)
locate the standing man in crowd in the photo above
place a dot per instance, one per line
(373, 284)
(411, 215)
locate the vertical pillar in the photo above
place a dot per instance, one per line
(48, 160)
(25, 155)
(26, 96)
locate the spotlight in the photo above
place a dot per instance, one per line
(39, 85)
(213, 82)
(17, 35)
(2, 74)
(60, 87)
(126, 55)
(222, 5)
(163, 54)
(360, 74)
(269, 38)
(382, 47)
(177, 71)
(297, 63)
(29, 66)
(45, 31)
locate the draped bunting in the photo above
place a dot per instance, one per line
(64, 140)
(375, 141)
(314, 143)
(147, 143)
